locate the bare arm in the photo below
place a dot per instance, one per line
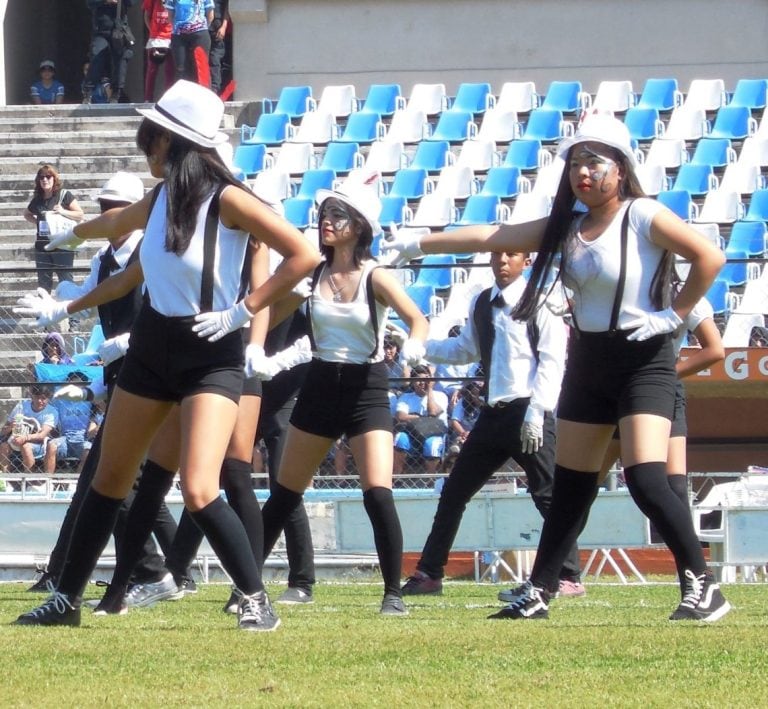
(389, 291)
(259, 273)
(74, 211)
(711, 351)
(29, 216)
(109, 289)
(117, 222)
(505, 237)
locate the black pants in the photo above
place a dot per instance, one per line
(190, 55)
(50, 262)
(106, 62)
(494, 438)
(216, 59)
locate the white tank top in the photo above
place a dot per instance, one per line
(343, 332)
(174, 281)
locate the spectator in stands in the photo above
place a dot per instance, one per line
(158, 47)
(464, 415)
(76, 426)
(621, 364)
(345, 390)
(27, 431)
(523, 366)
(50, 196)
(219, 28)
(101, 91)
(421, 418)
(47, 89)
(110, 52)
(185, 346)
(54, 350)
(191, 40)
(450, 376)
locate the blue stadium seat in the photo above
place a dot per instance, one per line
(270, 129)
(298, 211)
(749, 237)
(643, 123)
(314, 180)
(679, 201)
(432, 156)
(472, 98)
(734, 274)
(363, 128)
(480, 209)
(436, 278)
(382, 99)
(715, 152)
(750, 93)
(410, 183)
(342, 157)
(717, 295)
(733, 122)
(564, 96)
(696, 179)
(422, 295)
(394, 209)
(758, 207)
(523, 154)
(293, 101)
(544, 124)
(502, 181)
(661, 94)
(250, 158)
(454, 126)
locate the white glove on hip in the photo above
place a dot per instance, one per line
(257, 364)
(413, 351)
(71, 392)
(403, 245)
(651, 324)
(66, 240)
(217, 324)
(42, 306)
(114, 348)
(532, 431)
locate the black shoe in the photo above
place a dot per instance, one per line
(57, 610)
(422, 585)
(533, 605)
(393, 605)
(186, 585)
(255, 613)
(702, 600)
(45, 584)
(113, 602)
(233, 602)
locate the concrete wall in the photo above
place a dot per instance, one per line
(319, 42)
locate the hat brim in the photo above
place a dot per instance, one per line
(568, 143)
(191, 135)
(322, 195)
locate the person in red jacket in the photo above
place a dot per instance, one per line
(158, 49)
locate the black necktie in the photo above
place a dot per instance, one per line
(107, 265)
(498, 301)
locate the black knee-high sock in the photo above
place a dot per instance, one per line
(153, 487)
(227, 537)
(92, 529)
(387, 534)
(679, 485)
(236, 481)
(185, 545)
(279, 505)
(650, 489)
(572, 495)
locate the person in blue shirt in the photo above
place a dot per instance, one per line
(190, 39)
(47, 89)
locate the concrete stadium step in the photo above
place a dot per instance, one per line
(66, 148)
(78, 182)
(79, 165)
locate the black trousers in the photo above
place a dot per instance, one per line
(50, 262)
(494, 438)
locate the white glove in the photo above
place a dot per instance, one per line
(532, 431)
(267, 367)
(42, 306)
(71, 392)
(114, 348)
(217, 324)
(397, 334)
(413, 351)
(651, 324)
(403, 245)
(303, 288)
(66, 240)
(257, 364)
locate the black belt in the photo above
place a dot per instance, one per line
(503, 404)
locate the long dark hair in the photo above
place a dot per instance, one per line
(556, 232)
(192, 173)
(361, 227)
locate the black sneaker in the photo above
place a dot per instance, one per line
(422, 585)
(57, 610)
(294, 596)
(45, 584)
(187, 585)
(512, 595)
(255, 613)
(393, 605)
(113, 602)
(702, 600)
(531, 606)
(233, 603)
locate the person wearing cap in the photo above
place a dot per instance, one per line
(185, 347)
(47, 89)
(345, 389)
(616, 258)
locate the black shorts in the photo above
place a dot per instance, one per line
(251, 385)
(608, 377)
(169, 362)
(679, 427)
(338, 399)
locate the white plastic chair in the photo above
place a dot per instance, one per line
(429, 98)
(479, 155)
(711, 232)
(295, 158)
(667, 152)
(317, 127)
(456, 181)
(517, 96)
(614, 96)
(705, 94)
(529, 206)
(652, 177)
(739, 328)
(721, 206)
(548, 178)
(754, 150)
(500, 126)
(272, 185)
(434, 210)
(687, 123)
(386, 156)
(339, 100)
(742, 177)
(409, 126)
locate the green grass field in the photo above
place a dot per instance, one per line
(615, 647)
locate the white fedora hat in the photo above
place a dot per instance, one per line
(361, 193)
(191, 111)
(601, 128)
(122, 187)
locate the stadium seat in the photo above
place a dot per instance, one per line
(429, 98)
(439, 274)
(734, 273)
(316, 127)
(503, 182)
(687, 123)
(705, 94)
(314, 180)
(711, 232)
(652, 177)
(425, 298)
(483, 209)
(434, 211)
(457, 181)
(529, 206)
(272, 185)
(270, 129)
(548, 177)
(742, 177)
(299, 211)
(295, 158)
(479, 155)
(696, 179)
(454, 126)
(382, 99)
(432, 156)
(342, 157)
(715, 152)
(750, 93)
(680, 202)
(473, 98)
(754, 150)
(517, 96)
(717, 296)
(407, 127)
(293, 101)
(566, 97)
(749, 237)
(394, 209)
(670, 153)
(250, 158)
(339, 100)
(734, 123)
(386, 157)
(757, 211)
(661, 94)
(500, 126)
(614, 96)
(546, 125)
(644, 123)
(363, 128)
(721, 206)
(409, 183)
(527, 155)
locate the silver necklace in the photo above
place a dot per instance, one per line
(336, 290)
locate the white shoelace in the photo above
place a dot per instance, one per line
(58, 601)
(694, 587)
(250, 608)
